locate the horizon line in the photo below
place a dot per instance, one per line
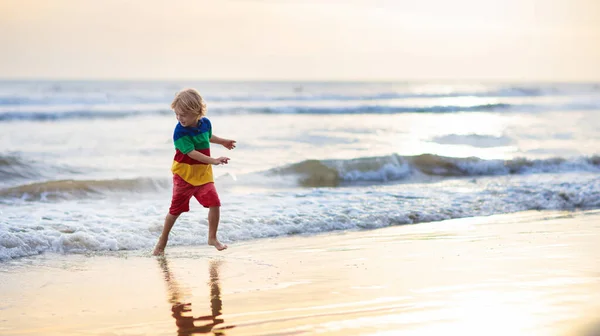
(298, 80)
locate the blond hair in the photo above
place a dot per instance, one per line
(189, 101)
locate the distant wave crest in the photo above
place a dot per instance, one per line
(98, 113)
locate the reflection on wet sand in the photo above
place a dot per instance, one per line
(186, 324)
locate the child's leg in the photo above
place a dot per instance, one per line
(164, 237)
(208, 197)
(214, 214)
(180, 202)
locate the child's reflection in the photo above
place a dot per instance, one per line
(185, 324)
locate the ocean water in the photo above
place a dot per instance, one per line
(85, 166)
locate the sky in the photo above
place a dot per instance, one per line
(526, 40)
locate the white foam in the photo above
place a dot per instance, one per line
(388, 172)
(134, 224)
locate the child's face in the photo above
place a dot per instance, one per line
(186, 119)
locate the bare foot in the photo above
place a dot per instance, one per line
(217, 244)
(158, 251)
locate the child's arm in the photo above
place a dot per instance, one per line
(229, 144)
(196, 155)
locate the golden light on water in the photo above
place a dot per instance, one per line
(422, 129)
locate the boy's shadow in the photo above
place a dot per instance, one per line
(186, 324)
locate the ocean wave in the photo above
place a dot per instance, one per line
(98, 113)
(85, 227)
(331, 173)
(76, 189)
(381, 109)
(309, 173)
(14, 109)
(79, 114)
(134, 93)
(15, 168)
(59, 113)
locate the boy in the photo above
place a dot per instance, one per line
(192, 166)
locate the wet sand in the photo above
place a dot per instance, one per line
(532, 273)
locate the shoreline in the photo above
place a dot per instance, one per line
(529, 273)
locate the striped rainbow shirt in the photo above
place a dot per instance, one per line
(187, 139)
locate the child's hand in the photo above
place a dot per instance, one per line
(221, 160)
(229, 144)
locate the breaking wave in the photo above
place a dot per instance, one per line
(12, 167)
(15, 168)
(72, 189)
(82, 228)
(331, 173)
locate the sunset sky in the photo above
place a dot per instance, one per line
(301, 40)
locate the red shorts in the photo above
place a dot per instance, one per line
(206, 195)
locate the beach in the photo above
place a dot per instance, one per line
(351, 167)
(350, 208)
(527, 273)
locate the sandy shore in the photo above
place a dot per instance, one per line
(534, 273)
